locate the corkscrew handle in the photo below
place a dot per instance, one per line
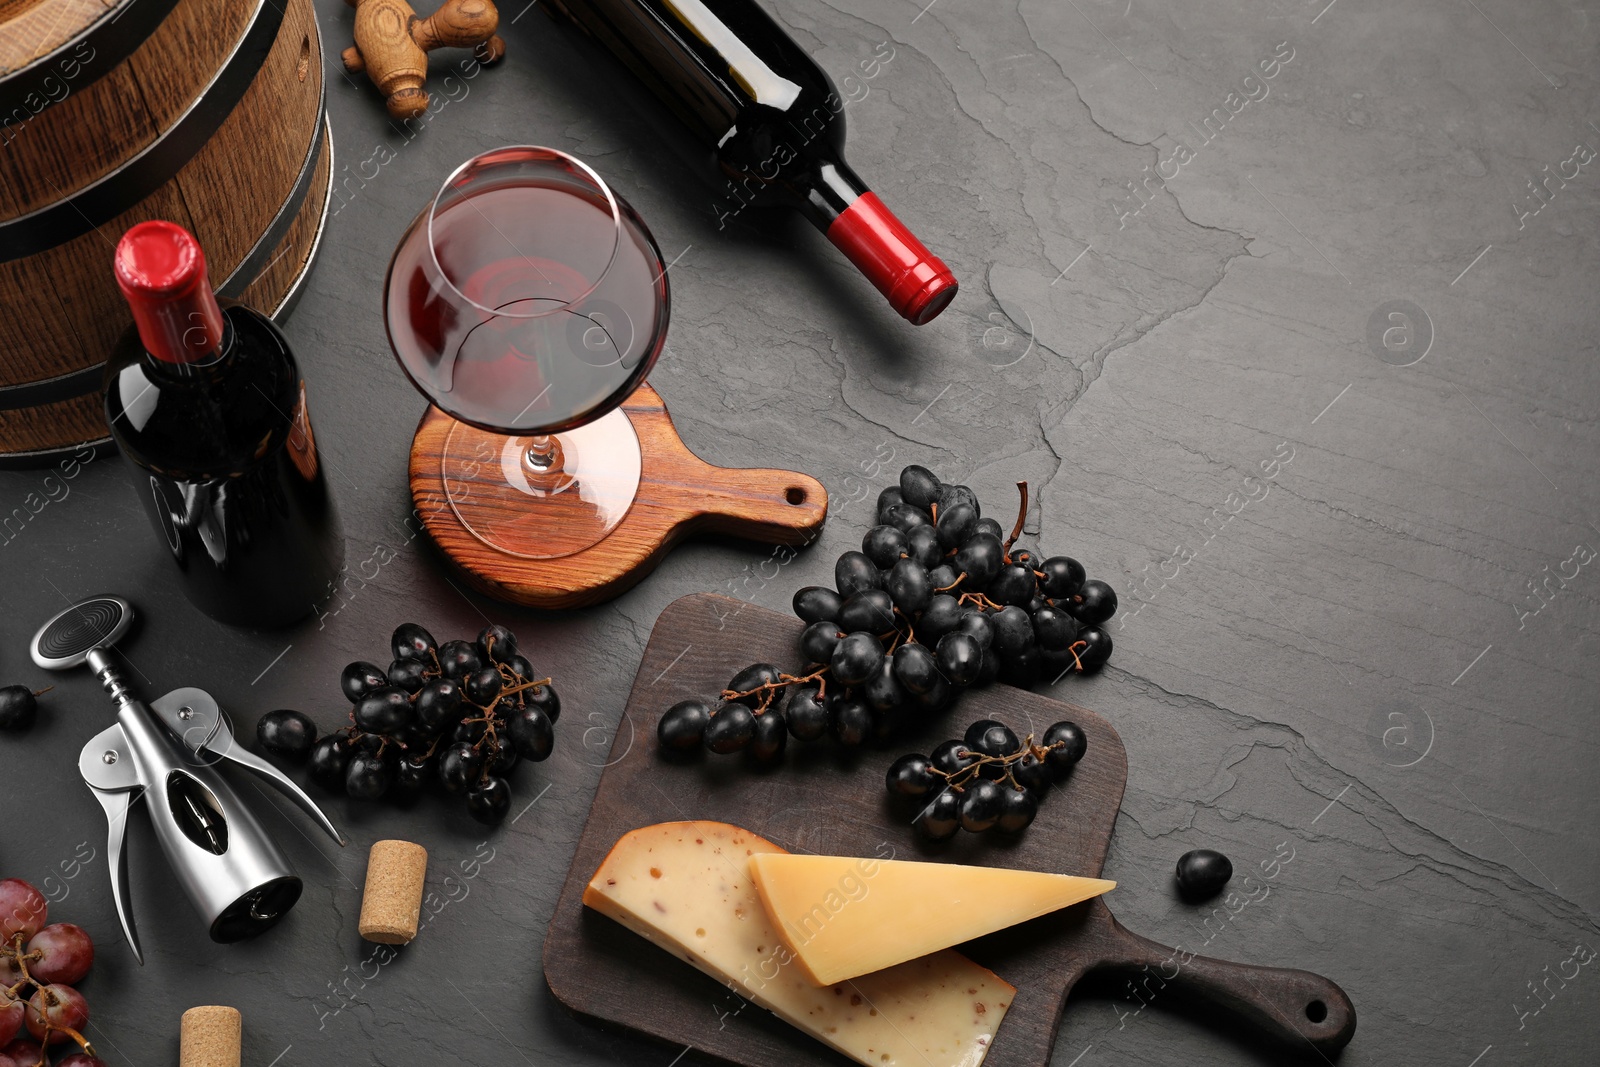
(107, 765)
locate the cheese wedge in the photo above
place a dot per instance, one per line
(843, 916)
(686, 887)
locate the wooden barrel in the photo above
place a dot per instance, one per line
(206, 112)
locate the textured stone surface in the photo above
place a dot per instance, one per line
(1350, 669)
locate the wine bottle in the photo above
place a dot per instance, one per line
(775, 123)
(205, 399)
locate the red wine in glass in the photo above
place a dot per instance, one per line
(527, 301)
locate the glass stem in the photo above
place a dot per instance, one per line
(543, 452)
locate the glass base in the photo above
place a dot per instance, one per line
(542, 496)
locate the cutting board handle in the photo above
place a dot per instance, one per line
(1296, 1007)
(776, 506)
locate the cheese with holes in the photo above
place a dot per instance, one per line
(843, 916)
(686, 887)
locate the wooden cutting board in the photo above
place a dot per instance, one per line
(827, 801)
(679, 494)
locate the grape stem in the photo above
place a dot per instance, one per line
(489, 734)
(946, 588)
(435, 671)
(1022, 515)
(521, 686)
(769, 690)
(15, 953)
(907, 636)
(82, 1041)
(433, 747)
(980, 599)
(958, 780)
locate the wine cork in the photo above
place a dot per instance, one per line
(210, 1037)
(392, 902)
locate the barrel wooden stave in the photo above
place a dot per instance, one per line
(291, 259)
(66, 146)
(48, 429)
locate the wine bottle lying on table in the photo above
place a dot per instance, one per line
(775, 122)
(204, 397)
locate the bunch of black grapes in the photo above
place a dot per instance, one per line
(938, 599)
(460, 715)
(986, 780)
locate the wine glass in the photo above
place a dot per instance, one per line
(527, 301)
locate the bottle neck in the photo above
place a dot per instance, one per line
(834, 187)
(182, 331)
(916, 282)
(204, 366)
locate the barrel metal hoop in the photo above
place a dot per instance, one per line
(100, 446)
(297, 288)
(123, 188)
(256, 260)
(49, 390)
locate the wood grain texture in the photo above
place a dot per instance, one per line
(292, 256)
(825, 801)
(392, 45)
(32, 28)
(238, 181)
(227, 193)
(51, 427)
(103, 122)
(679, 494)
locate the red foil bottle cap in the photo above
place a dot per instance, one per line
(162, 273)
(916, 281)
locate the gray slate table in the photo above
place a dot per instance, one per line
(1355, 538)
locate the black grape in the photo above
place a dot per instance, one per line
(919, 486)
(883, 545)
(815, 603)
(855, 572)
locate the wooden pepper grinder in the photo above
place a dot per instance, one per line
(392, 45)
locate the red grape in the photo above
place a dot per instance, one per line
(62, 1007)
(68, 953)
(21, 1053)
(22, 909)
(80, 1059)
(11, 1012)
